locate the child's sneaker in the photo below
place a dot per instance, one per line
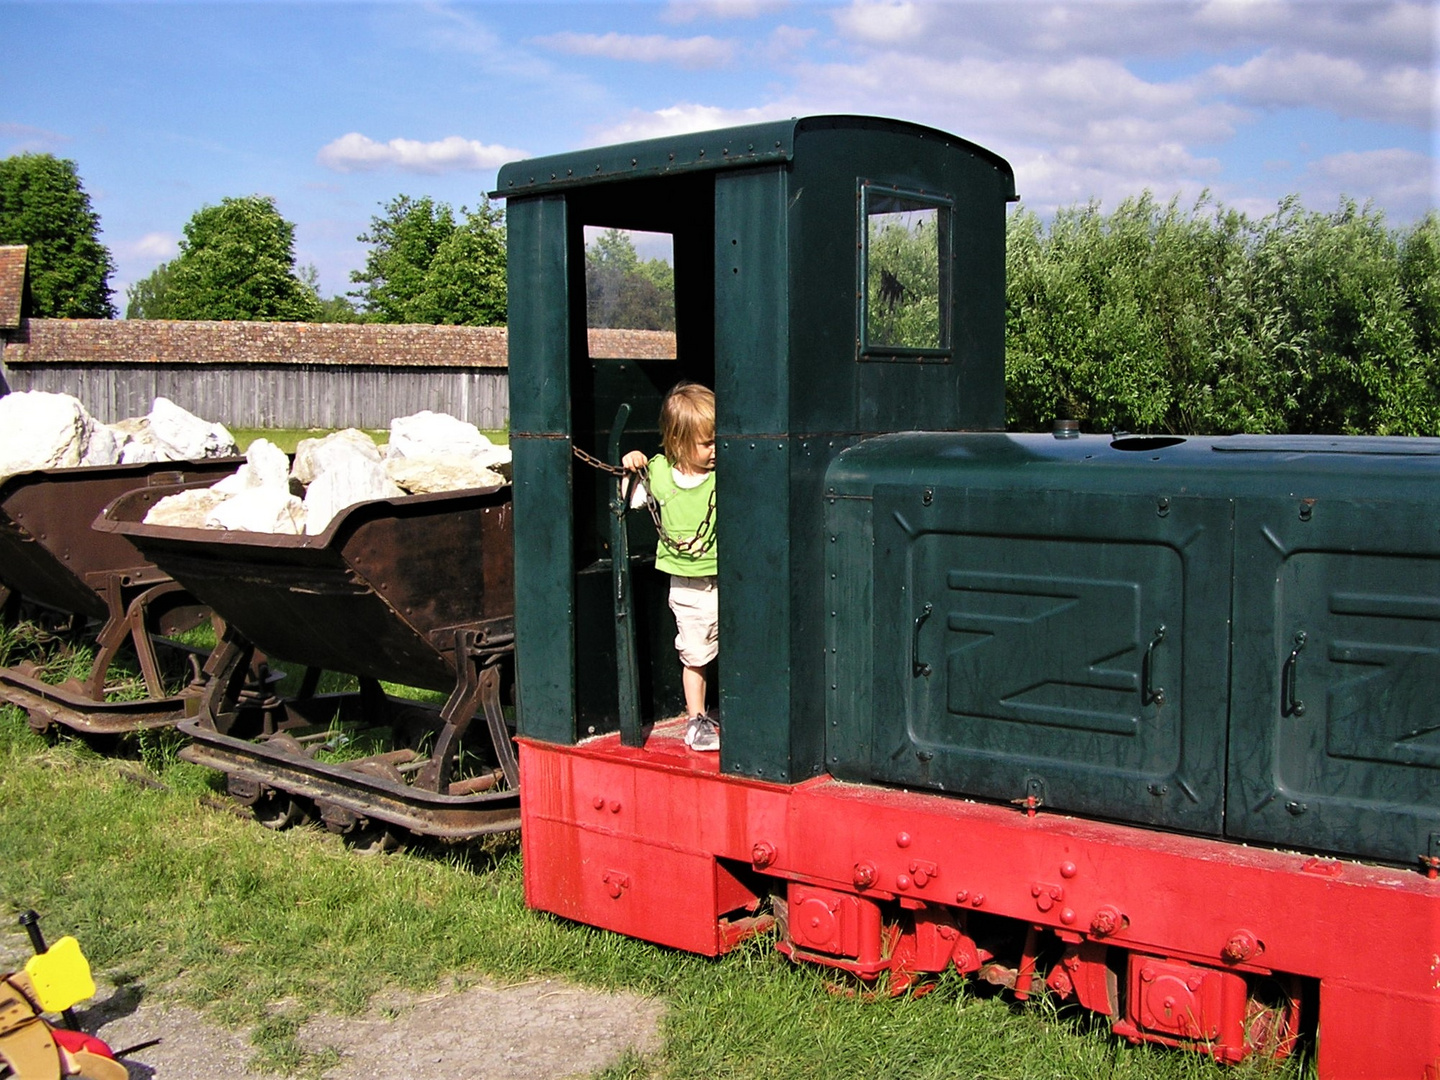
(702, 734)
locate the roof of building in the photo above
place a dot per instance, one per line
(161, 341)
(12, 284)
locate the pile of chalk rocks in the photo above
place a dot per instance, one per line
(39, 430)
(428, 452)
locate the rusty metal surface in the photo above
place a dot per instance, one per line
(415, 590)
(47, 548)
(377, 594)
(362, 795)
(72, 707)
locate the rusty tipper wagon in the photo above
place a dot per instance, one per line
(414, 590)
(50, 556)
(1151, 721)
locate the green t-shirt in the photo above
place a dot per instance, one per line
(683, 511)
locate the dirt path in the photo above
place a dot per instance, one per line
(543, 1030)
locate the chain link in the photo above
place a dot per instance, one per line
(692, 546)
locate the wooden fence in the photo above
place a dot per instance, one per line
(283, 375)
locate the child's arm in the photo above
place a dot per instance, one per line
(635, 460)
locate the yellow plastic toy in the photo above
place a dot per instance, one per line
(61, 976)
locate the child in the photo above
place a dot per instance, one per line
(679, 486)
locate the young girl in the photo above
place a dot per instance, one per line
(680, 484)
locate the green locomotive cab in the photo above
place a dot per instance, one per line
(836, 278)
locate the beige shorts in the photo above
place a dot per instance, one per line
(696, 604)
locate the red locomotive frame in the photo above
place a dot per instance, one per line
(655, 843)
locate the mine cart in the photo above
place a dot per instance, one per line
(51, 559)
(414, 590)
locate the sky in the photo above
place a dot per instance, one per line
(335, 108)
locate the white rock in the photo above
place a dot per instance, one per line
(314, 456)
(261, 509)
(427, 434)
(345, 482)
(132, 435)
(185, 509)
(101, 447)
(184, 436)
(421, 475)
(266, 466)
(39, 430)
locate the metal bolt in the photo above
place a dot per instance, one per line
(864, 875)
(1241, 947)
(762, 854)
(1106, 921)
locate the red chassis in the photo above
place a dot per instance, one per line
(1179, 940)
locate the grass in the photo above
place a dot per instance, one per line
(260, 930)
(288, 439)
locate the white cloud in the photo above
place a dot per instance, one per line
(689, 10)
(153, 246)
(1279, 78)
(359, 153)
(883, 23)
(1401, 181)
(786, 41)
(686, 117)
(693, 53)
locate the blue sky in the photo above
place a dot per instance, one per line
(335, 108)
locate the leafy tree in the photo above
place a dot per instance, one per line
(43, 205)
(424, 266)
(621, 291)
(237, 261)
(335, 309)
(903, 281)
(1158, 319)
(149, 298)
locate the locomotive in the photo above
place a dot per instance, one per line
(1149, 720)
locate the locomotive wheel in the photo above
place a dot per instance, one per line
(277, 810)
(375, 839)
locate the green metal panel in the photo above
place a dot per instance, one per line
(752, 303)
(544, 588)
(752, 485)
(1058, 645)
(962, 389)
(1336, 739)
(539, 344)
(539, 316)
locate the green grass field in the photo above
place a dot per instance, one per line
(262, 929)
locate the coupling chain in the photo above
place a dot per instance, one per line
(694, 546)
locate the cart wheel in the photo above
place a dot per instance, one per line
(375, 840)
(277, 810)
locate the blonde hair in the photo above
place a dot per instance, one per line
(687, 418)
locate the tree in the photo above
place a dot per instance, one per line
(424, 266)
(1154, 319)
(43, 205)
(149, 298)
(237, 261)
(621, 291)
